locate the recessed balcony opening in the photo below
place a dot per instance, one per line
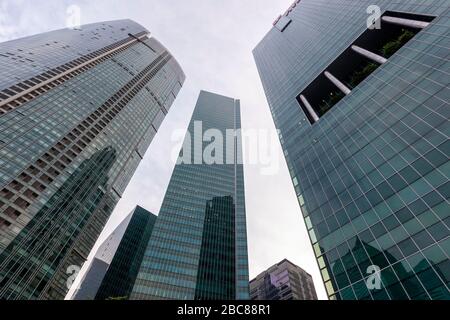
(371, 50)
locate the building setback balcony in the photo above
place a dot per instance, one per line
(371, 50)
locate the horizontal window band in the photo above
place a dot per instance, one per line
(16, 99)
(71, 145)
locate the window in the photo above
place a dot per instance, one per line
(423, 239)
(439, 231)
(407, 247)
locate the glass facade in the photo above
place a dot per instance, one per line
(93, 277)
(68, 99)
(283, 281)
(122, 272)
(198, 249)
(372, 173)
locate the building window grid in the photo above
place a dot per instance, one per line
(435, 187)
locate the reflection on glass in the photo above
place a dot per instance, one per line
(36, 253)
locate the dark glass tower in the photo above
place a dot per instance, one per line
(123, 270)
(283, 281)
(363, 114)
(93, 277)
(198, 249)
(68, 99)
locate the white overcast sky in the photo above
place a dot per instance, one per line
(213, 41)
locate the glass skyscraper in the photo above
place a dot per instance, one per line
(78, 109)
(93, 277)
(123, 270)
(359, 90)
(198, 248)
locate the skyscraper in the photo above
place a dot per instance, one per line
(68, 101)
(283, 281)
(360, 93)
(123, 270)
(116, 264)
(93, 277)
(198, 248)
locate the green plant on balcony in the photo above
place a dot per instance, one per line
(333, 98)
(358, 76)
(392, 46)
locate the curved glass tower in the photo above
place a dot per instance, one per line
(363, 114)
(78, 109)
